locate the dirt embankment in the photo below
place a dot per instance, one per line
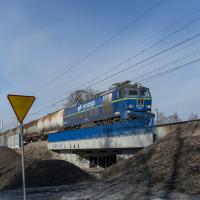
(42, 168)
(9, 165)
(39, 151)
(170, 164)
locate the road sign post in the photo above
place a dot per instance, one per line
(21, 105)
(22, 159)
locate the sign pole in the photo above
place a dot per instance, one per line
(22, 159)
(21, 105)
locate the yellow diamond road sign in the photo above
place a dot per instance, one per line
(21, 105)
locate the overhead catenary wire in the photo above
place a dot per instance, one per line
(170, 71)
(185, 56)
(146, 49)
(157, 54)
(183, 27)
(163, 57)
(157, 75)
(135, 45)
(151, 46)
(81, 60)
(146, 59)
(196, 51)
(140, 67)
(63, 97)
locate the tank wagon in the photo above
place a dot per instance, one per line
(10, 138)
(37, 129)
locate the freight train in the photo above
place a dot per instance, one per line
(125, 103)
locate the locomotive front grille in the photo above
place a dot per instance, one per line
(140, 101)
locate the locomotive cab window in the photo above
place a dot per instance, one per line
(145, 92)
(133, 93)
(122, 93)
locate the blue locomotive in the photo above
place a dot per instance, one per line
(123, 101)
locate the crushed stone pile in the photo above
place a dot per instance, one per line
(39, 151)
(9, 165)
(42, 168)
(170, 164)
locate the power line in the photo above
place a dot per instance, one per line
(47, 106)
(172, 47)
(148, 48)
(144, 60)
(169, 35)
(139, 67)
(165, 56)
(100, 46)
(151, 46)
(139, 43)
(168, 64)
(156, 75)
(170, 71)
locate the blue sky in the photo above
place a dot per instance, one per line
(39, 40)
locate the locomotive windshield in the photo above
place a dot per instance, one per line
(133, 92)
(144, 92)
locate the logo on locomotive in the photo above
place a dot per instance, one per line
(86, 106)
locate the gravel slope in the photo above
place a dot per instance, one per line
(9, 165)
(38, 150)
(42, 169)
(169, 165)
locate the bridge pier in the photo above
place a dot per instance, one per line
(96, 159)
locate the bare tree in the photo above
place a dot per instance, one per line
(193, 116)
(80, 95)
(173, 118)
(161, 118)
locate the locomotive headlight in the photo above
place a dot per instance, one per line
(131, 106)
(148, 106)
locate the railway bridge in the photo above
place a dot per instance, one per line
(99, 152)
